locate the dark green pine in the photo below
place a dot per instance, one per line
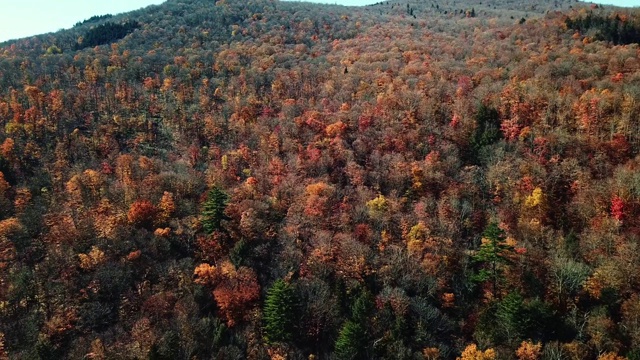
(213, 212)
(279, 309)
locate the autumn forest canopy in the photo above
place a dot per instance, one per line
(231, 179)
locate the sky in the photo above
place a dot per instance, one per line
(619, 2)
(346, 2)
(22, 18)
(367, 2)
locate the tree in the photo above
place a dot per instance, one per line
(492, 254)
(487, 130)
(513, 319)
(630, 310)
(488, 126)
(617, 208)
(471, 352)
(213, 212)
(5, 203)
(568, 277)
(351, 341)
(142, 213)
(106, 33)
(3, 351)
(279, 311)
(236, 293)
(529, 351)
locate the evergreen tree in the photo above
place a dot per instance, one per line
(168, 347)
(492, 253)
(239, 253)
(487, 132)
(362, 307)
(487, 127)
(106, 33)
(213, 212)
(279, 308)
(351, 341)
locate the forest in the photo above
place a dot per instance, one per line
(263, 179)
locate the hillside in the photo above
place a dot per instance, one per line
(282, 180)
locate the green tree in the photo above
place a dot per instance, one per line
(568, 277)
(362, 307)
(168, 347)
(351, 341)
(279, 312)
(353, 336)
(487, 130)
(510, 316)
(239, 252)
(213, 212)
(514, 319)
(53, 50)
(493, 253)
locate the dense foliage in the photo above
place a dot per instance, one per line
(281, 180)
(279, 312)
(105, 34)
(94, 19)
(607, 28)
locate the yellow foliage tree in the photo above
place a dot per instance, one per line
(378, 205)
(535, 199)
(92, 180)
(206, 274)
(318, 189)
(416, 238)
(318, 195)
(166, 207)
(94, 258)
(471, 352)
(529, 351)
(335, 129)
(606, 275)
(73, 189)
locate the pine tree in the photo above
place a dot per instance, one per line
(487, 132)
(492, 253)
(213, 212)
(351, 341)
(362, 307)
(279, 308)
(487, 127)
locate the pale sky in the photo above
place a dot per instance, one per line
(628, 3)
(344, 2)
(22, 18)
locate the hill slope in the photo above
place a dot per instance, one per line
(265, 179)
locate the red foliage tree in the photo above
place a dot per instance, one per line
(235, 290)
(617, 208)
(142, 213)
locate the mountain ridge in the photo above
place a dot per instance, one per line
(282, 180)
